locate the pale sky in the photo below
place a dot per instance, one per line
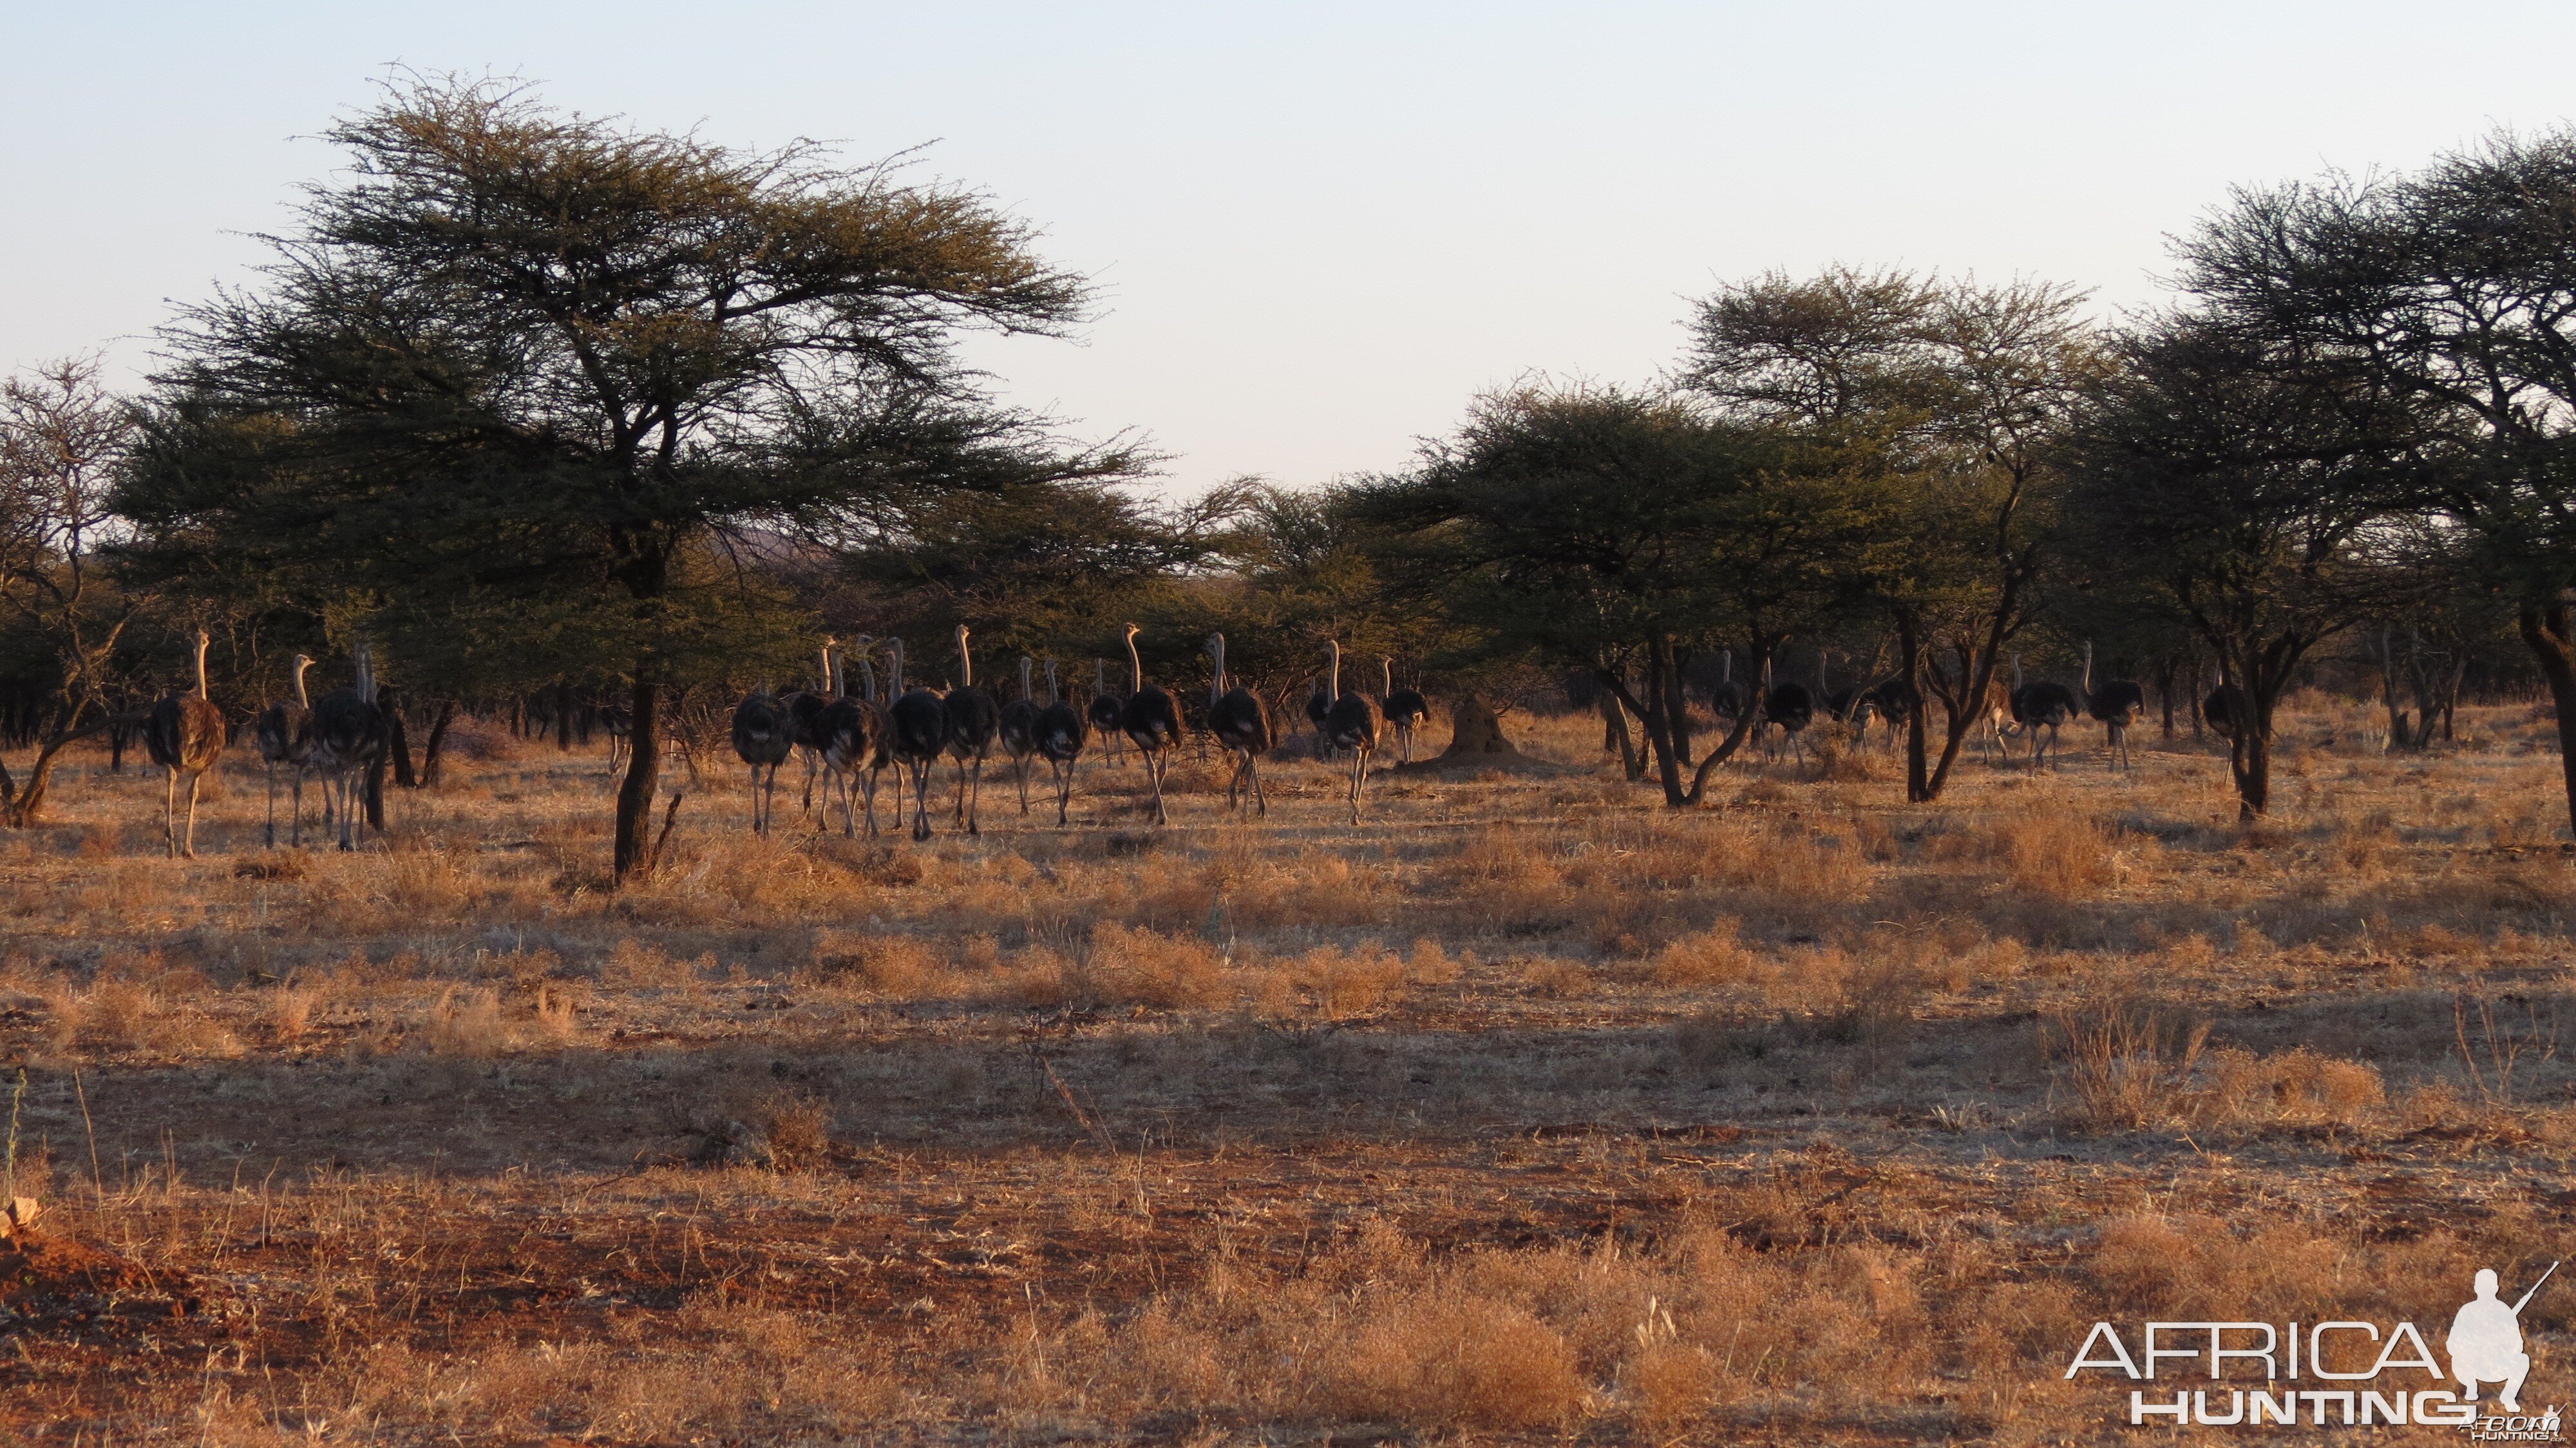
(1318, 229)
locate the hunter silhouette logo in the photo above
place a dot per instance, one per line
(2486, 1341)
(2362, 1376)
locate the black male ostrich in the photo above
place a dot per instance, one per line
(1106, 709)
(2224, 707)
(1062, 731)
(2118, 704)
(764, 734)
(1726, 696)
(973, 719)
(916, 735)
(348, 737)
(1020, 730)
(286, 737)
(185, 734)
(1792, 708)
(1319, 708)
(1151, 722)
(1406, 710)
(1240, 720)
(805, 716)
(2046, 705)
(1355, 723)
(1892, 702)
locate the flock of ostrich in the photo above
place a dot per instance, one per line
(849, 739)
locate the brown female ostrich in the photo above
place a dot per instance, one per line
(186, 736)
(1354, 723)
(286, 737)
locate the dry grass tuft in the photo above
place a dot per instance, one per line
(2128, 1062)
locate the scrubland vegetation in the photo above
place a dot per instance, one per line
(1529, 1110)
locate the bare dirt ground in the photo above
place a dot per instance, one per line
(1526, 1111)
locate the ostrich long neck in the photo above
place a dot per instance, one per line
(2088, 668)
(832, 658)
(826, 683)
(868, 677)
(897, 662)
(1386, 677)
(201, 667)
(1135, 664)
(1216, 686)
(301, 701)
(965, 662)
(1025, 690)
(1336, 685)
(1054, 696)
(1726, 667)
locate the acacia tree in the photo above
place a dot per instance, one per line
(2260, 493)
(2455, 286)
(62, 436)
(1588, 526)
(545, 359)
(1950, 398)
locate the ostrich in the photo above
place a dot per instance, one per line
(973, 720)
(2047, 705)
(2117, 705)
(1240, 720)
(852, 734)
(286, 737)
(2224, 707)
(1152, 722)
(1319, 708)
(348, 737)
(1893, 702)
(1356, 724)
(1106, 708)
(1726, 697)
(763, 736)
(805, 714)
(1792, 708)
(1020, 729)
(1406, 710)
(1061, 733)
(873, 704)
(619, 721)
(916, 735)
(185, 734)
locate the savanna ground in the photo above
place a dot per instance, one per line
(1526, 1111)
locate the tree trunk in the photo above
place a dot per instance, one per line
(2249, 759)
(398, 744)
(1656, 736)
(2165, 669)
(1726, 748)
(1909, 669)
(2545, 631)
(24, 807)
(643, 775)
(1676, 701)
(432, 758)
(1615, 735)
(2399, 735)
(1476, 732)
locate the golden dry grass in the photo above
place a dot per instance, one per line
(1527, 1109)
